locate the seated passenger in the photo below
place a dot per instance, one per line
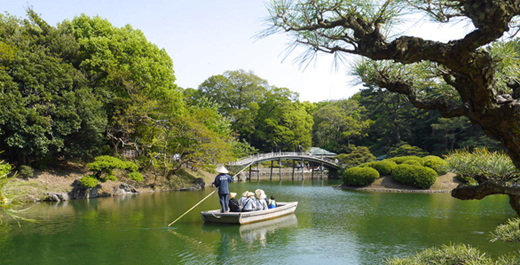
(272, 203)
(249, 203)
(261, 203)
(233, 203)
(241, 200)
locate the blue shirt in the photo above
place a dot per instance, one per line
(221, 182)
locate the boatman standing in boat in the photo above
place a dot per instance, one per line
(221, 182)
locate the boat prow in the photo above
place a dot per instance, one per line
(215, 216)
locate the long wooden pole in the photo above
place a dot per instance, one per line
(192, 208)
(202, 200)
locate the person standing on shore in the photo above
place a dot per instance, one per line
(221, 182)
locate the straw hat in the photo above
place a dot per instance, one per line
(262, 196)
(222, 170)
(245, 193)
(232, 195)
(250, 194)
(258, 192)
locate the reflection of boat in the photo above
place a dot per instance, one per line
(215, 216)
(270, 225)
(253, 231)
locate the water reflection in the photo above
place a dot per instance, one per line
(250, 233)
(245, 238)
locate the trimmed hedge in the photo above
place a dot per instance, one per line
(26, 171)
(88, 181)
(417, 176)
(412, 162)
(436, 163)
(360, 176)
(401, 159)
(384, 167)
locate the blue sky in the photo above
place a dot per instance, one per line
(205, 38)
(209, 37)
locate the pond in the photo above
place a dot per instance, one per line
(330, 226)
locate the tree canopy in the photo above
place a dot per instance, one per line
(475, 76)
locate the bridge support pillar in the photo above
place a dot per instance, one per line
(280, 166)
(293, 169)
(271, 177)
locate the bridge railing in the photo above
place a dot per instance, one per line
(265, 156)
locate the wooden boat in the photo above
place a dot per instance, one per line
(215, 216)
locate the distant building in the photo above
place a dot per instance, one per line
(316, 151)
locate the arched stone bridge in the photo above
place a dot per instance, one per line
(318, 161)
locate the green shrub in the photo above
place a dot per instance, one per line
(412, 162)
(135, 176)
(436, 163)
(482, 165)
(403, 174)
(110, 177)
(5, 168)
(507, 232)
(452, 255)
(384, 167)
(401, 159)
(357, 156)
(407, 150)
(89, 181)
(418, 176)
(425, 177)
(360, 176)
(467, 180)
(103, 168)
(26, 171)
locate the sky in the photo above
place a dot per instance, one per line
(208, 37)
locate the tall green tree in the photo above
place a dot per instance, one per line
(238, 94)
(474, 76)
(338, 123)
(282, 122)
(47, 109)
(266, 117)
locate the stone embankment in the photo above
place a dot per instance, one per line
(62, 185)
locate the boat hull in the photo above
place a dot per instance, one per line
(215, 216)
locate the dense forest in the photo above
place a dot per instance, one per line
(85, 88)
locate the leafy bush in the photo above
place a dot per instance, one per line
(418, 176)
(384, 167)
(357, 156)
(425, 177)
(4, 168)
(452, 255)
(507, 232)
(88, 181)
(26, 171)
(403, 174)
(103, 168)
(412, 162)
(407, 150)
(401, 159)
(135, 176)
(360, 176)
(436, 163)
(482, 165)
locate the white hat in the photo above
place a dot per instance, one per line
(232, 195)
(262, 196)
(221, 169)
(258, 192)
(245, 193)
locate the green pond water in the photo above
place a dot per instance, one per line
(330, 226)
